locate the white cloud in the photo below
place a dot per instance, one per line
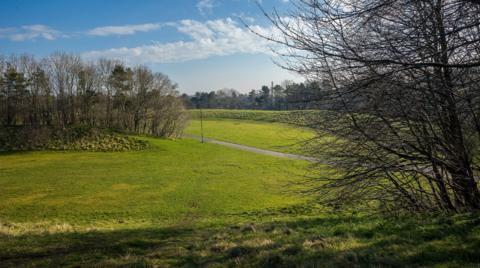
(211, 38)
(244, 17)
(123, 30)
(29, 32)
(205, 6)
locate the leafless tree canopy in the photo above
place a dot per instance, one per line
(403, 99)
(62, 90)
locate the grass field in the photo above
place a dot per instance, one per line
(271, 136)
(291, 117)
(183, 203)
(162, 186)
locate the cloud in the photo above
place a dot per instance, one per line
(211, 38)
(123, 30)
(205, 6)
(29, 32)
(244, 17)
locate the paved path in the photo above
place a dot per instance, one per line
(272, 153)
(252, 149)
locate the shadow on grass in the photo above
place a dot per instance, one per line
(314, 242)
(18, 152)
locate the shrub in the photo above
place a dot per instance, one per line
(77, 138)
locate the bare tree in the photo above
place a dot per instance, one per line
(403, 97)
(63, 91)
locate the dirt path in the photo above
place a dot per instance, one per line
(252, 149)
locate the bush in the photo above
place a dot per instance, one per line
(77, 138)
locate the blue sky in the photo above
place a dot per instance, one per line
(200, 44)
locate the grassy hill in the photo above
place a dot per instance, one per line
(183, 203)
(291, 117)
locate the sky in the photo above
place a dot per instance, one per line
(200, 44)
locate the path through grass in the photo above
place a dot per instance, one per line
(265, 135)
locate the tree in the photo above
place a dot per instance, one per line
(42, 99)
(403, 97)
(14, 90)
(88, 94)
(62, 91)
(120, 81)
(105, 68)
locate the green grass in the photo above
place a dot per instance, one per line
(290, 117)
(175, 181)
(271, 136)
(182, 203)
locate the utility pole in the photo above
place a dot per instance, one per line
(273, 96)
(201, 122)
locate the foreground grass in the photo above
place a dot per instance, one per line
(271, 136)
(298, 242)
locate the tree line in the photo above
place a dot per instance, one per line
(286, 96)
(63, 90)
(404, 98)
